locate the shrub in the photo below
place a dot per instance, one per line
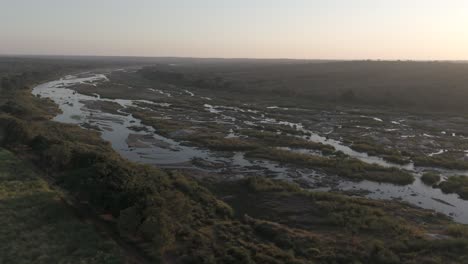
(129, 220)
(39, 144)
(430, 178)
(458, 231)
(237, 255)
(57, 156)
(14, 131)
(456, 184)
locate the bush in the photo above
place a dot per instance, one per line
(430, 178)
(237, 255)
(57, 156)
(456, 184)
(13, 131)
(39, 144)
(129, 220)
(159, 230)
(458, 231)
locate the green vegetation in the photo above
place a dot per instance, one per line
(430, 178)
(441, 162)
(169, 214)
(108, 107)
(457, 230)
(456, 184)
(403, 85)
(37, 227)
(331, 228)
(346, 167)
(208, 137)
(273, 139)
(373, 149)
(218, 141)
(151, 204)
(164, 127)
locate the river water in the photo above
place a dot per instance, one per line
(156, 149)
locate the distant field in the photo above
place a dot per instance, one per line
(36, 227)
(433, 86)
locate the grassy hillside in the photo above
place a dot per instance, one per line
(37, 227)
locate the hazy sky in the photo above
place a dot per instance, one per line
(327, 29)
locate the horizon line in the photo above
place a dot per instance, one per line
(227, 58)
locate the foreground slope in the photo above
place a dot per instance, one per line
(37, 227)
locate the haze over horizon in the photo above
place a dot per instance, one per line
(297, 29)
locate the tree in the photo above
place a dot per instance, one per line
(348, 95)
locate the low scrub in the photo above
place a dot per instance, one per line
(346, 167)
(441, 162)
(456, 184)
(430, 178)
(332, 228)
(373, 149)
(280, 140)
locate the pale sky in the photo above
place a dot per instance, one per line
(310, 29)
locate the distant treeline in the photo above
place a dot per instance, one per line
(435, 86)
